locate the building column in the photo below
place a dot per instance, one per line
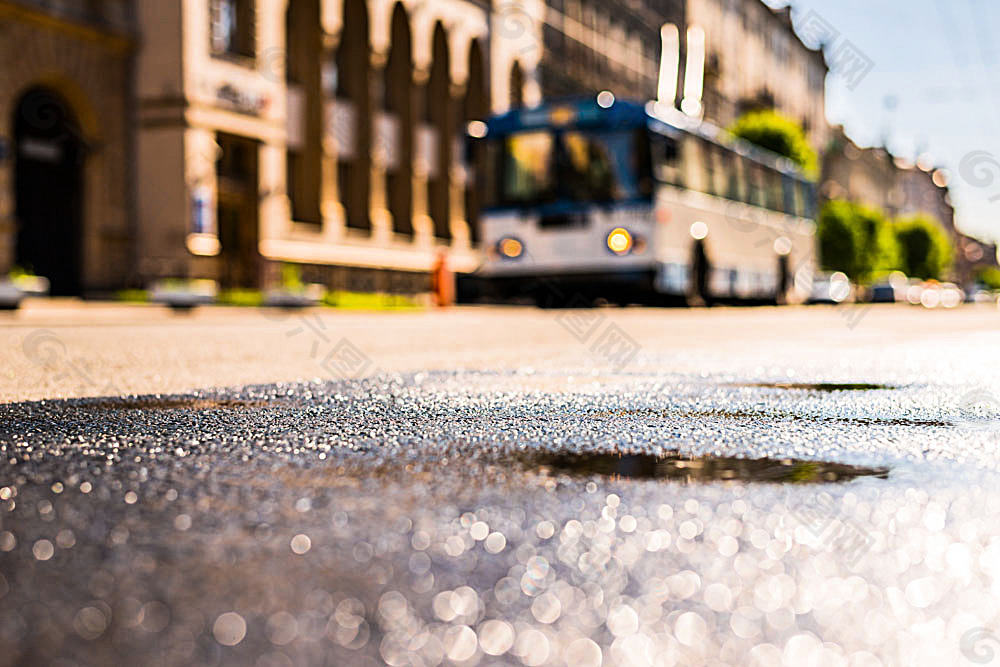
(379, 214)
(423, 225)
(331, 203)
(457, 179)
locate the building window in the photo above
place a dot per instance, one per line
(233, 25)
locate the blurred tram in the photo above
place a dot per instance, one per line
(604, 199)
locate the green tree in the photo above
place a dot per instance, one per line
(925, 249)
(989, 276)
(840, 238)
(857, 240)
(778, 134)
(879, 253)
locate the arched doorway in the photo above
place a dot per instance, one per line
(439, 114)
(354, 127)
(399, 103)
(48, 190)
(476, 107)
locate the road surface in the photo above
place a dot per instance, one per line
(500, 486)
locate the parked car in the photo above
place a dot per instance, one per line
(10, 295)
(883, 292)
(830, 288)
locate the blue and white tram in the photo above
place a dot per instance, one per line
(635, 202)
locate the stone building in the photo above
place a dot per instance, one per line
(222, 138)
(875, 177)
(66, 209)
(590, 46)
(754, 59)
(864, 175)
(327, 133)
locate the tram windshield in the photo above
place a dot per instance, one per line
(538, 167)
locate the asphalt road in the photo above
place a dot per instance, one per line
(500, 486)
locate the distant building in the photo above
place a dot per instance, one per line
(755, 60)
(874, 177)
(971, 255)
(594, 45)
(864, 175)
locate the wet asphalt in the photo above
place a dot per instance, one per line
(788, 504)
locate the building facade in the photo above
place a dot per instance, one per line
(323, 133)
(863, 175)
(222, 138)
(590, 46)
(66, 209)
(754, 59)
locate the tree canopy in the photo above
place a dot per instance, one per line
(778, 134)
(861, 242)
(925, 251)
(857, 240)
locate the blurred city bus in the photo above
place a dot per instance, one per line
(603, 199)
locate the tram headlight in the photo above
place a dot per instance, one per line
(619, 241)
(510, 248)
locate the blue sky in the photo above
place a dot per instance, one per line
(934, 88)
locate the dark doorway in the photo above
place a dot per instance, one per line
(48, 191)
(238, 201)
(355, 91)
(699, 273)
(439, 113)
(475, 107)
(399, 103)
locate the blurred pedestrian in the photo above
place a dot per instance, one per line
(443, 281)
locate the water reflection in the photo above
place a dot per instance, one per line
(818, 386)
(697, 469)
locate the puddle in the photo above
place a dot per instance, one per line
(821, 386)
(698, 469)
(176, 403)
(774, 417)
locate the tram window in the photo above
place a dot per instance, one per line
(755, 183)
(772, 179)
(792, 196)
(643, 164)
(527, 175)
(491, 177)
(589, 167)
(693, 165)
(734, 176)
(666, 153)
(808, 195)
(708, 168)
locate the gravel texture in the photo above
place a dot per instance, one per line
(731, 487)
(419, 519)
